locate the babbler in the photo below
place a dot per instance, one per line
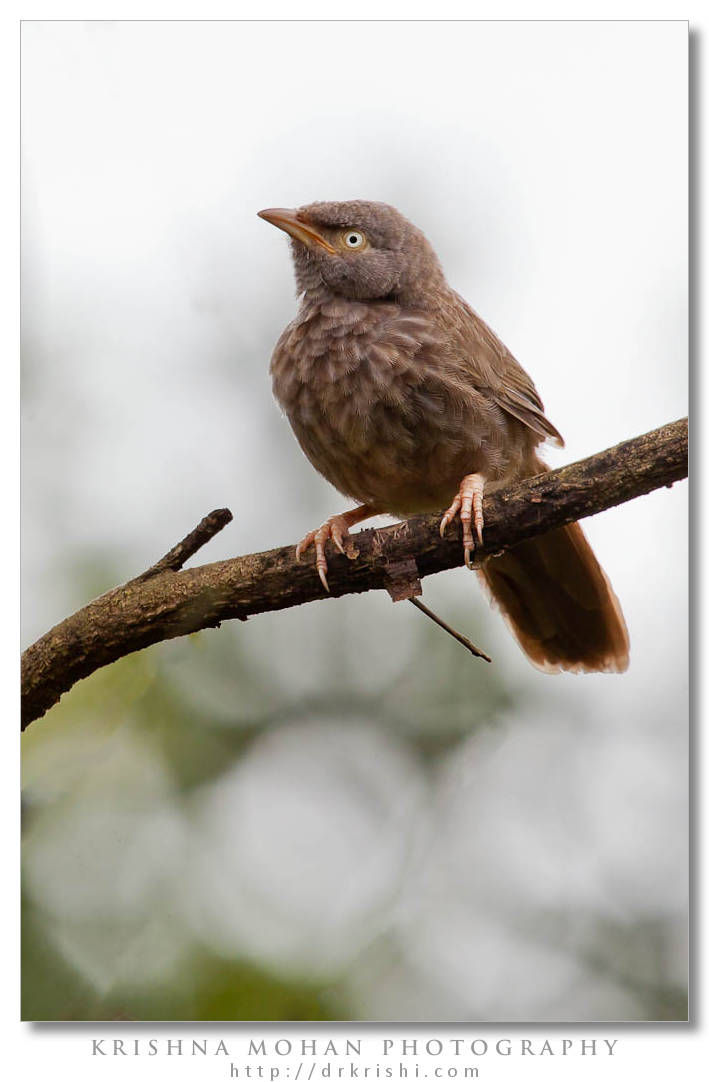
(405, 400)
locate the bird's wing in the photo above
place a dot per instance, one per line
(498, 375)
(518, 396)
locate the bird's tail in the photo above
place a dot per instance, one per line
(559, 604)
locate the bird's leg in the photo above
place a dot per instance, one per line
(337, 529)
(468, 504)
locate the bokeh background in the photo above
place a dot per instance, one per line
(333, 812)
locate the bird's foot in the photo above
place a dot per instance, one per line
(335, 529)
(468, 505)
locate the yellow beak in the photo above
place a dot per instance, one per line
(296, 227)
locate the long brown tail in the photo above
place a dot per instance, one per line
(559, 604)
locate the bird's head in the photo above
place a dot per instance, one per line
(361, 250)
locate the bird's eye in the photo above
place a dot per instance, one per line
(353, 239)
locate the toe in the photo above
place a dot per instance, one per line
(338, 536)
(450, 515)
(478, 515)
(468, 542)
(321, 537)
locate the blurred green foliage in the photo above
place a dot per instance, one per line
(195, 706)
(161, 697)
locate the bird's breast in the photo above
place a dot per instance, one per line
(367, 393)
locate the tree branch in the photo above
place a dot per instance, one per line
(165, 602)
(180, 553)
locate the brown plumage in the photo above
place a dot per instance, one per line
(405, 400)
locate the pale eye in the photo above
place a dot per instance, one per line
(353, 239)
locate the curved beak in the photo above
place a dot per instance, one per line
(295, 227)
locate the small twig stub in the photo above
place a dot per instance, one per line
(178, 555)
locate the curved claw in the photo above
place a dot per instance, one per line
(320, 561)
(450, 514)
(318, 538)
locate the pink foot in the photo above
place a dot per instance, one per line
(468, 504)
(336, 529)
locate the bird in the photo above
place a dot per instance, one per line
(404, 399)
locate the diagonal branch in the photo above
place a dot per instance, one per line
(180, 553)
(166, 602)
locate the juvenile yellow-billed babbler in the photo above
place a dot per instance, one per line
(405, 400)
